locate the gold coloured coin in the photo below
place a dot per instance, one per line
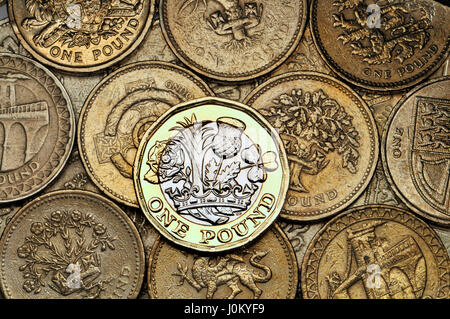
(118, 112)
(71, 244)
(37, 127)
(330, 137)
(376, 252)
(266, 269)
(231, 40)
(416, 150)
(211, 174)
(80, 36)
(381, 45)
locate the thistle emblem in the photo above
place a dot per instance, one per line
(210, 171)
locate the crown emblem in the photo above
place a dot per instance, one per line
(209, 171)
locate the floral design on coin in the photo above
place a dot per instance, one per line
(210, 191)
(84, 36)
(330, 137)
(70, 265)
(215, 37)
(380, 45)
(37, 127)
(71, 244)
(386, 45)
(211, 182)
(376, 252)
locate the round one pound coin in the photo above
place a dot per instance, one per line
(381, 45)
(266, 269)
(80, 36)
(232, 40)
(376, 252)
(330, 137)
(37, 127)
(71, 244)
(416, 150)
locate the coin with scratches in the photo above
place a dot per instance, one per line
(233, 40)
(381, 45)
(81, 37)
(264, 269)
(376, 252)
(71, 244)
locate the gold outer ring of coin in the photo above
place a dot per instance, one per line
(66, 115)
(275, 229)
(221, 76)
(371, 213)
(376, 70)
(201, 237)
(326, 205)
(41, 200)
(445, 220)
(112, 190)
(83, 69)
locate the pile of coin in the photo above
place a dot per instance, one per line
(225, 149)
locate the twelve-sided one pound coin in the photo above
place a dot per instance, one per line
(211, 174)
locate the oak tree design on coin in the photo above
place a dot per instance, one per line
(416, 150)
(211, 174)
(376, 252)
(265, 269)
(119, 111)
(82, 36)
(71, 244)
(37, 127)
(330, 137)
(233, 40)
(386, 45)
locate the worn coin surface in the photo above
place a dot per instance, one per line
(37, 127)
(232, 40)
(416, 150)
(81, 36)
(211, 174)
(330, 137)
(376, 252)
(71, 244)
(118, 112)
(265, 269)
(77, 87)
(387, 45)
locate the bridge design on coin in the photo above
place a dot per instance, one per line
(22, 127)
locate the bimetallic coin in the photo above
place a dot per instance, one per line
(71, 244)
(81, 36)
(416, 150)
(384, 45)
(37, 127)
(266, 269)
(231, 40)
(118, 112)
(376, 252)
(330, 137)
(211, 174)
